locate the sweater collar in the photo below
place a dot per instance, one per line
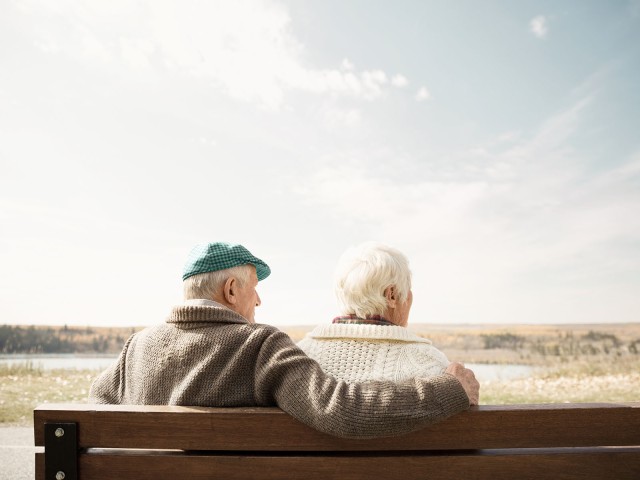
(183, 314)
(366, 332)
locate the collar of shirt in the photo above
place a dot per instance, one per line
(370, 320)
(203, 301)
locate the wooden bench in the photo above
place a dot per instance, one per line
(562, 441)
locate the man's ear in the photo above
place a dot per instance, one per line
(391, 295)
(229, 290)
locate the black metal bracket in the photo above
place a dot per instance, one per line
(60, 451)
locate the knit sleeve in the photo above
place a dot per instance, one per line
(297, 384)
(108, 387)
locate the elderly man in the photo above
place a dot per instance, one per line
(209, 352)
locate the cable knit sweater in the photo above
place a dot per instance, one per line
(356, 353)
(211, 356)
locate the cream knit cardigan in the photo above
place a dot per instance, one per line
(356, 353)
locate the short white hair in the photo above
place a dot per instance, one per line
(364, 273)
(207, 285)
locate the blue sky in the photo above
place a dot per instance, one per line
(495, 143)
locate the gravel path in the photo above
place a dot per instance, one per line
(16, 453)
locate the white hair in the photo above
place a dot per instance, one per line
(208, 284)
(364, 273)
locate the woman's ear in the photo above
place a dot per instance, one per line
(391, 296)
(229, 290)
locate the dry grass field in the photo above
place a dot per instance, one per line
(24, 388)
(578, 363)
(544, 345)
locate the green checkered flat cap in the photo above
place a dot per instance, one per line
(211, 257)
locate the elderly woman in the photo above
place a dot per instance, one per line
(370, 341)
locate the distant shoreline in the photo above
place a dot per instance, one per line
(412, 325)
(532, 344)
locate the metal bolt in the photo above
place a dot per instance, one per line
(59, 432)
(60, 475)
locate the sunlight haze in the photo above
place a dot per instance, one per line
(495, 143)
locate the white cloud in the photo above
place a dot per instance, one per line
(399, 81)
(46, 46)
(347, 65)
(423, 94)
(207, 141)
(538, 26)
(244, 48)
(336, 118)
(137, 52)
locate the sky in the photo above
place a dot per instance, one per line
(495, 143)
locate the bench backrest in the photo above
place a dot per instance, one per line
(586, 441)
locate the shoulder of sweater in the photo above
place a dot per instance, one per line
(366, 332)
(236, 332)
(267, 328)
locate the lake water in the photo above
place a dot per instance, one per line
(61, 361)
(484, 372)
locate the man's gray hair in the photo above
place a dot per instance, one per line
(364, 273)
(207, 285)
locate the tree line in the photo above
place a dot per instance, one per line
(32, 339)
(565, 344)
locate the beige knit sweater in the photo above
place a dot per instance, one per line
(357, 353)
(211, 356)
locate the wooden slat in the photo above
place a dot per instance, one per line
(199, 428)
(583, 465)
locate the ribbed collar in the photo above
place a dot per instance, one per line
(204, 314)
(366, 332)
